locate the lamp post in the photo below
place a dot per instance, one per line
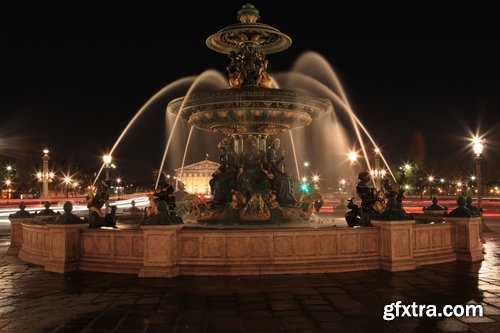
(377, 171)
(8, 182)
(67, 181)
(353, 157)
(118, 186)
(75, 188)
(430, 179)
(45, 176)
(107, 163)
(305, 169)
(477, 147)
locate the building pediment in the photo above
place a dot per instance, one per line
(205, 165)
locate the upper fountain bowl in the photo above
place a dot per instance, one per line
(263, 37)
(251, 106)
(250, 110)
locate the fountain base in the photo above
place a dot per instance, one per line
(172, 250)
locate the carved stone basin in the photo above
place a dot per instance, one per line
(250, 110)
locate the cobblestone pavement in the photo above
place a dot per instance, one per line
(36, 301)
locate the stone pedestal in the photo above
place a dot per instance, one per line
(43, 219)
(466, 234)
(160, 251)
(64, 250)
(16, 234)
(436, 212)
(396, 241)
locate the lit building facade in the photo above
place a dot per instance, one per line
(196, 176)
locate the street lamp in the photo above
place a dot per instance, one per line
(342, 184)
(10, 169)
(430, 179)
(8, 182)
(477, 147)
(45, 176)
(118, 186)
(107, 163)
(305, 169)
(67, 181)
(75, 187)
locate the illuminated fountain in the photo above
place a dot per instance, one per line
(251, 183)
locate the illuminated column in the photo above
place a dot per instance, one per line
(378, 171)
(45, 173)
(478, 147)
(353, 156)
(431, 179)
(107, 163)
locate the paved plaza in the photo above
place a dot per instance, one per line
(33, 300)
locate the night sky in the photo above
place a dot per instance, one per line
(71, 79)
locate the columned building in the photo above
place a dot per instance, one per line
(196, 176)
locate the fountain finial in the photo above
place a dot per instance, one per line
(248, 14)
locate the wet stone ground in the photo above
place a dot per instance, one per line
(36, 301)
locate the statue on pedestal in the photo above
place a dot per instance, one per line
(132, 209)
(367, 195)
(47, 211)
(381, 205)
(393, 210)
(435, 206)
(461, 210)
(160, 213)
(21, 213)
(475, 211)
(97, 218)
(68, 217)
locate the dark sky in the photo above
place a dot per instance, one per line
(71, 79)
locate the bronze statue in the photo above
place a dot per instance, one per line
(256, 209)
(248, 67)
(280, 181)
(68, 217)
(273, 200)
(97, 218)
(475, 211)
(393, 210)
(47, 211)
(165, 192)
(353, 217)
(224, 178)
(367, 195)
(252, 178)
(161, 214)
(132, 209)
(379, 205)
(21, 213)
(435, 206)
(461, 210)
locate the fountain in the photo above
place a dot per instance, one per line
(249, 226)
(249, 114)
